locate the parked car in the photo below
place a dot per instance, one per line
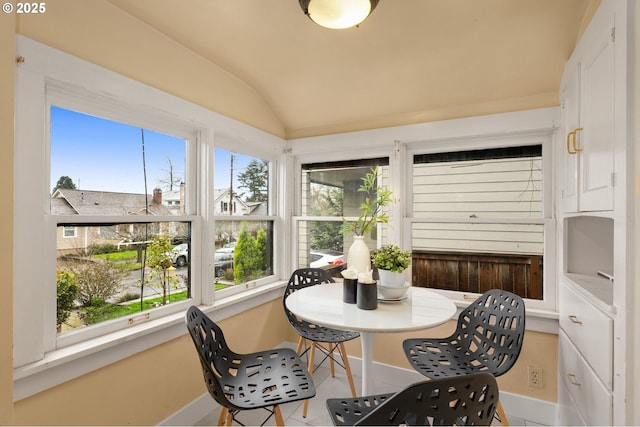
(223, 261)
(229, 247)
(323, 258)
(180, 255)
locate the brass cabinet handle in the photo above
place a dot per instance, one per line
(575, 320)
(575, 137)
(572, 379)
(571, 141)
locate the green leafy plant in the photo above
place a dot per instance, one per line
(391, 258)
(372, 208)
(66, 295)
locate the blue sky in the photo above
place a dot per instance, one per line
(103, 155)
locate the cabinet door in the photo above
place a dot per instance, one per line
(590, 330)
(591, 398)
(568, 173)
(598, 124)
(568, 413)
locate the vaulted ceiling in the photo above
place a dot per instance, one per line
(410, 61)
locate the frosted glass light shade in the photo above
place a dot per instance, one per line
(338, 14)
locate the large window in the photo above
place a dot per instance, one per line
(108, 169)
(244, 223)
(118, 224)
(329, 196)
(478, 220)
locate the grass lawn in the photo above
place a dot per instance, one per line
(123, 259)
(109, 311)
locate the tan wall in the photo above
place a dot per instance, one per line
(539, 349)
(7, 64)
(146, 388)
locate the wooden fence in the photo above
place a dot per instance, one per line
(474, 272)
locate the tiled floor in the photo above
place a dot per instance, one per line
(326, 387)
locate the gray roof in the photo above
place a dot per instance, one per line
(258, 208)
(86, 202)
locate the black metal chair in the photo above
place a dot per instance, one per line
(461, 400)
(327, 340)
(241, 382)
(488, 338)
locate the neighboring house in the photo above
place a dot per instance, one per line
(86, 202)
(225, 205)
(95, 203)
(174, 200)
(258, 208)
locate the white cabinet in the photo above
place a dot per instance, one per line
(595, 253)
(589, 110)
(590, 330)
(592, 399)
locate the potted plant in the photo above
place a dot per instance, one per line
(376, 198)
(371, 209)
(391, 263)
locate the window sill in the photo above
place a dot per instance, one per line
(76, 360)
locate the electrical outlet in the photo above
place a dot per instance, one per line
(535, 376)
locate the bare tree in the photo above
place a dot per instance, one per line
(171, 177)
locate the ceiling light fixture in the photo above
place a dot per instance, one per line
(338, 14)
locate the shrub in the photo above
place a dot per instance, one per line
(249, 258)
(97, 281)
(105, 248)
(67, 289)
(128, 296)
(227, 274)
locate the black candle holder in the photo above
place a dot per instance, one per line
(367, 296)
(349, 290)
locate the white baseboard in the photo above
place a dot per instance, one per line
(192, 413)
(527, 408)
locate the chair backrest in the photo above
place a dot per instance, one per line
(491, 330)
(246, 381)
(302, 278)
(461, 400)
(215, 356)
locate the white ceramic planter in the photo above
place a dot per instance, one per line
(391, 279)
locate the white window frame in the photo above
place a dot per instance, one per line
(546, 218)
(399, 143)
(273, 207)
(331, 148)
(299, 218)
(41, 358)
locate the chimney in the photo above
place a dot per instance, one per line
(157, 196)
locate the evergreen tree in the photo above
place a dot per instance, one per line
(64, 182)
(255, 179)
(250, 255)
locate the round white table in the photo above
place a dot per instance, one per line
(323, 305)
